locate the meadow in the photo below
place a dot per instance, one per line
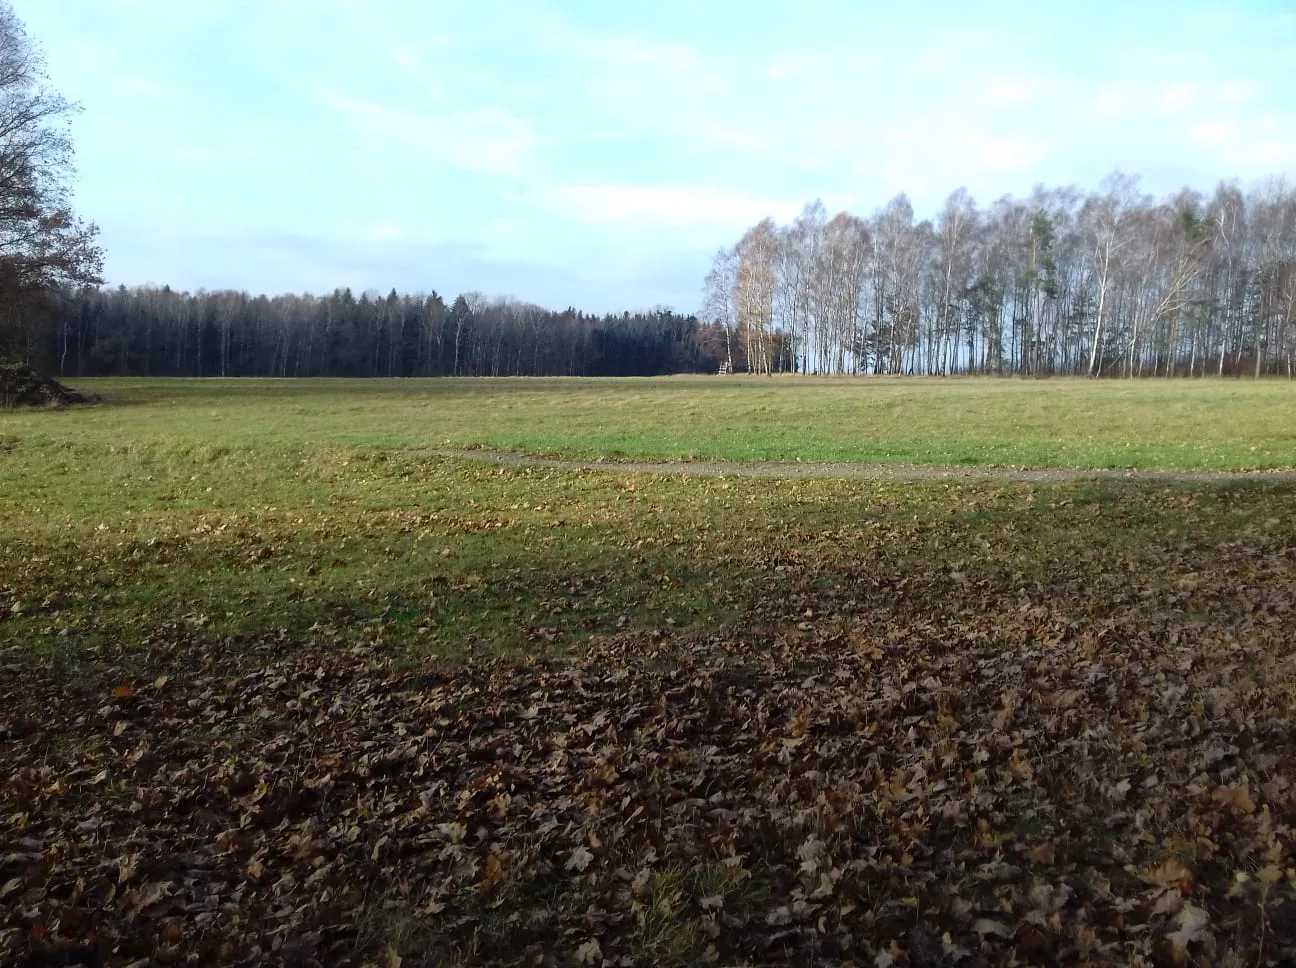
(1054, 423)
(259, 643)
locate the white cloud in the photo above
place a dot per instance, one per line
(1149, 100)
(484, 140)
(384, 232)
(1111, 101)
(668, 206)
(1249, 146)
(502, 231)
(1236, 91)
(936, 61)
(730, 136)
(1177, 98)
(1012, 92)
(624, 50)
(785, 67)
(1214, 133)
(914, 158)
(1006, 153)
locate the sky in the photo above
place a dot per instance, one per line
(595, 154)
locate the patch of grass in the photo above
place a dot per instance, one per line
(668, 932)
(389, 930)
(961, 421)
(674, 901)
(730, 881)
(439, 558)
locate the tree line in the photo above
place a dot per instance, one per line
(151, 331)
(1107, 283)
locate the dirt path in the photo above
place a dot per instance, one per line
(889, 472)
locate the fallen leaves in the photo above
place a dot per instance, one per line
(891, 759)
(902, 795)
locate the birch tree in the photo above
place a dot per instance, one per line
(1105, 222)
(754, 288)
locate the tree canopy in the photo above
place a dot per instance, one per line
(44, 246)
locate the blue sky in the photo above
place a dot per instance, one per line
(597, 153)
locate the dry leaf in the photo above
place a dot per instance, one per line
(1169, 873)
(136, 901)
(1044, 853)
(995, 929)
(494, 873)
(1194, 927)
(1239, 798)
(579, 859)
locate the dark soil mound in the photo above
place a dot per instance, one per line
(21, 386)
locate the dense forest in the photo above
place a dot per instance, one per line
(1110, 283)
(160, 332)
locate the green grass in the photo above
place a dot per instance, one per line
(189, 516)
(1054, 423)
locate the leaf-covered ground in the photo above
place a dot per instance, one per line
(314, 705)
(891, 768)
(1011, 789)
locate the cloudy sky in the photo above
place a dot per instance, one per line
(594, 153)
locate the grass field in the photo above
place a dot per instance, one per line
(1054, 423)
(415, 707)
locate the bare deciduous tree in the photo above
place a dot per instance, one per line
(754, 288)
(1110, 283)
(43, 245)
